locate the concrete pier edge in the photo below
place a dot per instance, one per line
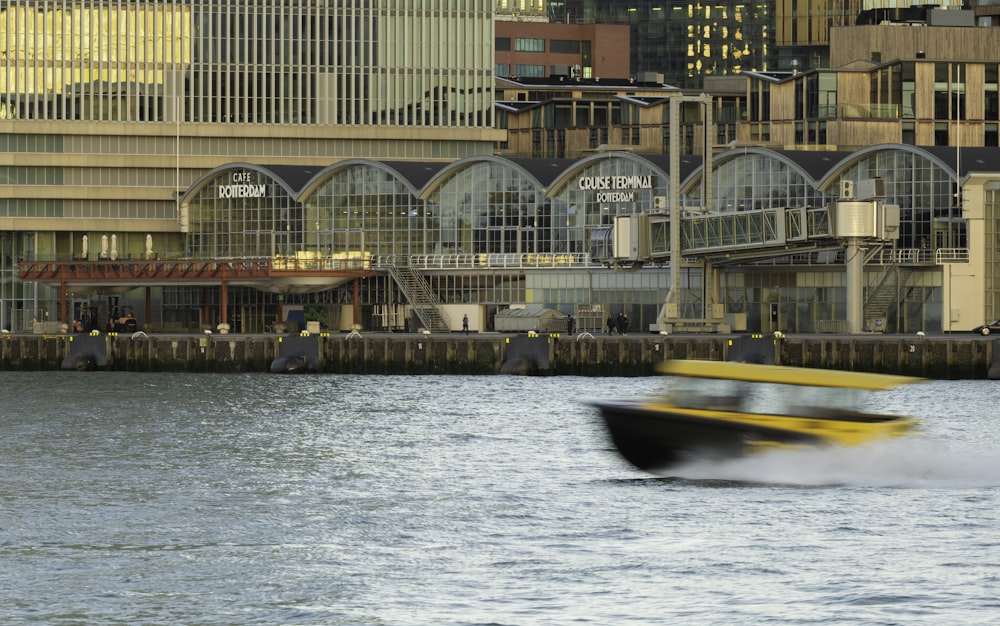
(940, 357)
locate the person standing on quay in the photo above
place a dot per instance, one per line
(465, 324)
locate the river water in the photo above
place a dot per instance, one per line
(254, 499)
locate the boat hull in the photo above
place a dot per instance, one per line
(653, 439)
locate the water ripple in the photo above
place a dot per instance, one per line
(344, 500)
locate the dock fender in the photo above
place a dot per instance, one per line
(79, 362)
(519, 367)
(994, 372)
(294, 364)
(526, 355)
(754, 348)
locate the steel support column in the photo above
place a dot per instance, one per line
(855, 262)
(62, 295)
(224, 299)
(357, 303)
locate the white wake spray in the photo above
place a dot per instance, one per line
(914, 462)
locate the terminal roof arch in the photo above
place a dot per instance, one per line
(291, 178)
(763, 178)
(811, 164)
(411, 174)
(541, 171)
(948, 158)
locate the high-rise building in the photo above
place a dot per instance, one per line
(687, 41)
(109, 109)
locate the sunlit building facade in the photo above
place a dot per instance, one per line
(110, 109)
(488, 233)
(282, 132)
(571, 118)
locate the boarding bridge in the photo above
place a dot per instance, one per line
(714, 239)
(642, 238)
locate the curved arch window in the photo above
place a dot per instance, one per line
(489, 208)
(244, 214)
(577, 213)
(757, 181)
(366, 208)
(923, 191)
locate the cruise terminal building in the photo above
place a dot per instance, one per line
(243, 163)
(403, 245)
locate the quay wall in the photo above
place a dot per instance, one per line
(944, 357)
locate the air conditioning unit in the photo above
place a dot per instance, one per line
(660, 203)
(870, 189)
(847, 190)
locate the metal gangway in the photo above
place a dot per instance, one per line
(642, 238)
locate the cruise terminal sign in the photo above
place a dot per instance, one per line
(242, 186)
(616, 188)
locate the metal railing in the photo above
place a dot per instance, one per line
(951, 255)
(897, 256)
(561, 260)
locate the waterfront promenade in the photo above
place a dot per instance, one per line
(964, 356)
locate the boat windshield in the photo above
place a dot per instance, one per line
(764, 398)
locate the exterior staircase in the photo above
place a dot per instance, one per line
(423, 301)
(886, 291)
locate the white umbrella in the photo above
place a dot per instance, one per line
(104, 246)
(114, 247)
(149, 246)
(86, 246)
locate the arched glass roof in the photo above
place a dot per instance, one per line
(759, 178)
(916, 179)
(243, 211)
(500, 205)
(487, 205)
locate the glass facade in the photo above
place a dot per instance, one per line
(762, 180)
(485, 230)
(479, 206)
(112, 108)
(236, 62)
(686, 41)
(490, 207)
(243, 213)
(366, 207)
(588, 213)
(924, 191)
(495, 232)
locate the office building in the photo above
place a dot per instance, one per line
(236, 136)
(110, 109)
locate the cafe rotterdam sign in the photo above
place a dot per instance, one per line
(242, 186)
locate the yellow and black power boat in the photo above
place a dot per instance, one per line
(722, 410)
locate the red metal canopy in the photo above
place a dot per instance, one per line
(261, 272)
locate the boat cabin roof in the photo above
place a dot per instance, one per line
(802, 376)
